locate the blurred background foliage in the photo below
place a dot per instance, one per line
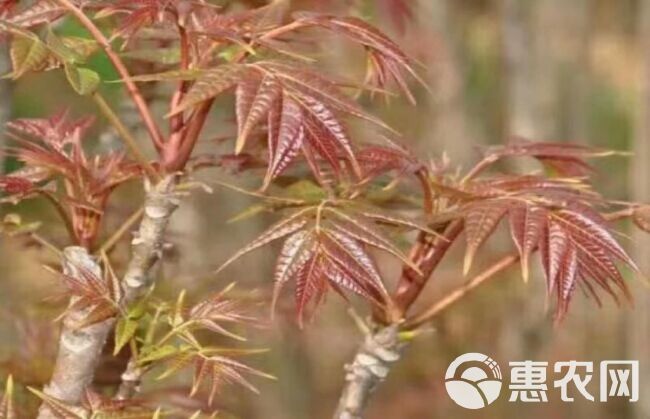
(576, 71)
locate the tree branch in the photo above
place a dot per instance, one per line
(131, 378)
(460, 292)
(80, 349)
(193, 128)
(110, 242)
(147, 245)
(382, 348)
(371, 364)
(131, 87)
(127, 138)
(426, 254)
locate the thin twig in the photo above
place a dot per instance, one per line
(65, 217)
(486, 162)
(108, 245)
(192, 133)
(177, 121)
(119, 65)
(619, 215)
(457, 294)
(281, 30)
(426, 253)
(125, 135)
(45, 243)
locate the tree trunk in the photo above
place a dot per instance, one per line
(370, 366)
(80, 349)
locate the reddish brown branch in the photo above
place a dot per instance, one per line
(426, 254)
(191, 135)
(131, 87)
(460, 292)
(177, 121)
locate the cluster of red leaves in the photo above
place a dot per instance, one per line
(213, 312)
(557, 216)
(302, 110)
(378, 160)
(217, 371)
(326, 248)
(97, 296)
(51, 149)
(137, 14)
(564, 158)
(387, 62)
(303, 114)
(200, 22)
(34, 14)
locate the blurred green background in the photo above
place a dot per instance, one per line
(575, 71)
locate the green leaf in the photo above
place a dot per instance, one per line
(124, 332)
(137, 310)
(180, 360)
(177, 317)
(27, 54)
(61, 50)
(306, 190)
(83, 80)
(156, 354)
(83, 47)
(249, 212)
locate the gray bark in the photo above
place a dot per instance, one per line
(370, 366)
(131, 378)
(80, 350)
(147, 244)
